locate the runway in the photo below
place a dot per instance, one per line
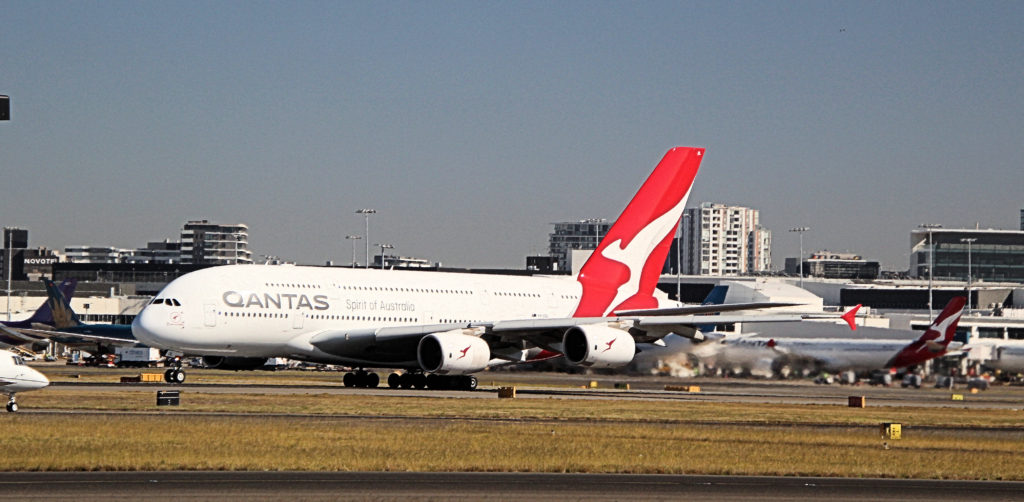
(246, 486)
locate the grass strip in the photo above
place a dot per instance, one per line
(37, 442)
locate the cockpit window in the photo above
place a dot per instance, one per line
(18, 361)
(165, 301)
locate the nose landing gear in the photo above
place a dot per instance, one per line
(12, 405)
(175, 374)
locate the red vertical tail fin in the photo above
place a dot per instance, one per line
(935, 339)
(624, 269)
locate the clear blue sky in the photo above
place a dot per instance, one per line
(470, 126)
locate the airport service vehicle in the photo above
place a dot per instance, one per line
(16, 376)
(137, 357)
(840, 355)
(441, 324)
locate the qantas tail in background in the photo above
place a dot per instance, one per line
(934, 341)
(624, 269)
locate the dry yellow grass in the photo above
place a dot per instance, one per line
(658, 411)
(314, 431)
(162, 442)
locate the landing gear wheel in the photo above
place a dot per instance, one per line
(419, 380)
(471, 383)
(12, 407)
(177, 376)
(405, 381)
(372, 380)
(394, 380)
(167, 375)
(349, 379)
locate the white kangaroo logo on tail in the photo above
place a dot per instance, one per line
(634, 255)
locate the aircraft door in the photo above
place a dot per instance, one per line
(297, 319)
(210, 315)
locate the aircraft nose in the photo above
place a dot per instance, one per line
(145, 328)
(39, 380)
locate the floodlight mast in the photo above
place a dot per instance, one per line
(367, 212)
(801, 230)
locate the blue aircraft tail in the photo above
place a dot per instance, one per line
(715, 297)
(60, 307)
(44, 314)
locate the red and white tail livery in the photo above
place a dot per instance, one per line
(624, 270)
(934, 342)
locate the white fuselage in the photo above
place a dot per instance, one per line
(16, 376)
(1003, 355)
(827, 354)
(273, 311)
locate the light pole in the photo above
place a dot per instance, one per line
(8, 244)
(969, 241)
(367, 212)
(353, 238)
(382, 255)
(801, 230)
(931, 260)
(597, 229)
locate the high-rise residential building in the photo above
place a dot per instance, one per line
(724, 240)
(205, 243)
(570, 235)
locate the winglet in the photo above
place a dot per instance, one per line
(851, 317)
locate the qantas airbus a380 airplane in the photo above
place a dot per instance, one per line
(447, 325)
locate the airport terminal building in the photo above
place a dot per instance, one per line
(991, 255)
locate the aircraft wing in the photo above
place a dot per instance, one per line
(704, 309)
(12, 336)
(400, 342)
(645, 329)
(65, 337)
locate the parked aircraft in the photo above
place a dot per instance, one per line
(998, 354)
(16, 376)
(69, 330)
(843, 354)
(42, 318)
(447, 325)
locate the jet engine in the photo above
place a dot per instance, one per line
(234, 363)
(598, 346)
(452, 353)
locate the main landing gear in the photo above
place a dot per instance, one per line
(432, 381)
(361, 378)
(12, 405)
